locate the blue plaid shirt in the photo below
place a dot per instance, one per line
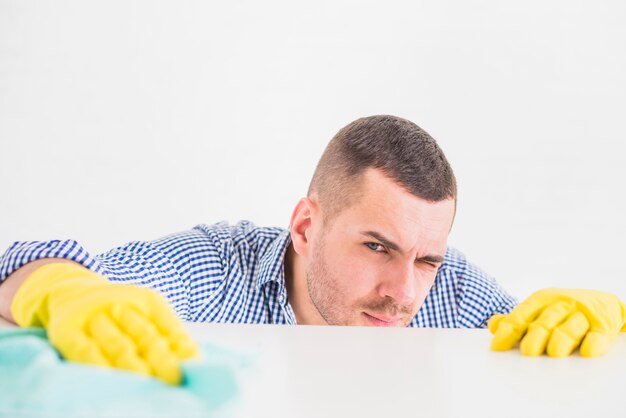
(224, 273)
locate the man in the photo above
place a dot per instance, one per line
(367, 246)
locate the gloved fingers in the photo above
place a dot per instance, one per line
(536, 338)
(80, 348)
(118, 347)
(595, 344)
(494, 321)
(136, 326)
(567, 336)
(185, 348)
(165, 364)
(173, 329)
(521, 316)
(509, 330)
(506, 336)
(153, 347)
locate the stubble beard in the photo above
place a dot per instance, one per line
(320, 286)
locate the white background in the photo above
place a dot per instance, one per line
(123, 120)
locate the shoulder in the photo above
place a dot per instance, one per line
(242, 240)
(454, 260)
(464, 272)
(477, 294)
(242, 233)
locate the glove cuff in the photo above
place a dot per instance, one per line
(30, 303)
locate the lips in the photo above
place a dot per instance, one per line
(381, 320)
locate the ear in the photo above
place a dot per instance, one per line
(302, 225)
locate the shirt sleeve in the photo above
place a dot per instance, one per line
(479, 296)
(185, 267)
(23, 252)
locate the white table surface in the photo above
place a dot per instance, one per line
(303, 371)
(348, 371)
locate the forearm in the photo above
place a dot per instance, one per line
(163, 265)
(9, 286)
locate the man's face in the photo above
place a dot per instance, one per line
(377, 260)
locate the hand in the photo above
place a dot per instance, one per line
(91, 320)
(556, 321)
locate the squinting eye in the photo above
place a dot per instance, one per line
(431, 266)
(375, 247)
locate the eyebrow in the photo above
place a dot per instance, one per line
(433, 258)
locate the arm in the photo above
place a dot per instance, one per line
(477, 295)
(9, 286)
(185, 267)
(24, 257)
(88, 318)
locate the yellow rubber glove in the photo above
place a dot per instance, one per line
(91, 320)
(556, 321)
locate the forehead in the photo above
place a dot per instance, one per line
(383, 205)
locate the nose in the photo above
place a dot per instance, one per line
(400, 284)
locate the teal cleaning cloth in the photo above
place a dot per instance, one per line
(36, 382)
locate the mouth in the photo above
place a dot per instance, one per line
(380, 320)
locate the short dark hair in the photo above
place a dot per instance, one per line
(398, 147)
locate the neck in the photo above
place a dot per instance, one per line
(297, 290)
